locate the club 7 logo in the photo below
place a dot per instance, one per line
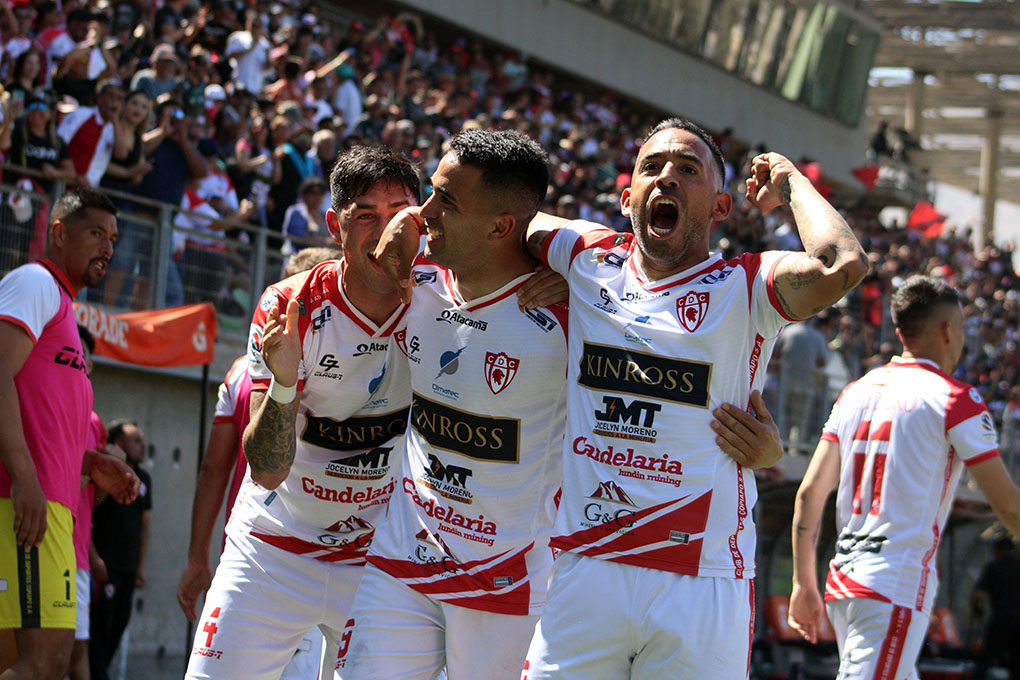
(500, 370)
(691, 310)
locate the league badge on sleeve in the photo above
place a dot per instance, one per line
(691, 310)
(500, 370)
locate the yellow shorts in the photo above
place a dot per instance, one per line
(37, 585)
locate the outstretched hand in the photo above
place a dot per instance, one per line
(545, 288)
(397, 248)
(769, 183)
(751, 439)
(281, 346)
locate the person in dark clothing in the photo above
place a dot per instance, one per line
(999, 587)
(120, 534)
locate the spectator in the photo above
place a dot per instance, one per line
(19, 39)
(27, 74)
(255, 165)
(802, 355)
(997, 594)
(36, 145)
(304, 223)
(248, 51)
(291, 166)
(89, 132)
(194, 84)
(199, 251)
(59, 42)
(89, 62)
(162, 77)
(347, 99)
(121, 536)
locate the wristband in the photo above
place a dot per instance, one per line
(281, 394)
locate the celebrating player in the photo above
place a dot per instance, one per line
(895, 444)
(655, 520)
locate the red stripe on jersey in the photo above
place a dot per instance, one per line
(222, 419)
(987, 455)
(350, 553)
(502, 296)
(658, 524)
(839, 586)
(961, 406)
(863, 432)
(562, 313)
(388, 330)
(922, 589)
(877, 475)
(750, 630)
(716, 266)
(544, 249)
(738, 557)
(771, 287)
(751, 262)
(755, 356)
(598, 238)
(892, 646)
(20, 324)
(882, 433)
(830, 437)
(83, 144)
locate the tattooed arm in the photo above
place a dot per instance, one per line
(806, 609)
(269, 439)
(833, 261)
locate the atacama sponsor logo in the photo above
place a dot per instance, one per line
(374, 464)
(449, 481)
(469, 434)
(472, 528)
(452, 316)
(630, 464)
(348, 495)
(621, 419)
(614, 369)
(358, 432)
(370, 348)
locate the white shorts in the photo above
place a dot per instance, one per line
(396, 633)
(262, 602)
(82, 580)
(307, 659)
(877, 640)
(610, 621)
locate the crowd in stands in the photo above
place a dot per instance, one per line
(236, 110)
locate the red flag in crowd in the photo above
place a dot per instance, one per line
(813, 171)
(867, 174)
(924, 217)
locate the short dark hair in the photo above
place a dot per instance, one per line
(694, 129)
(306, 258)
(87, 341)
(509, 161)
(73, 203)
(115, 431)
(360, 168)
(914, 302)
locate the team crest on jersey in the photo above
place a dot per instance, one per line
(268, 300)
(691, 310)
(500, 370)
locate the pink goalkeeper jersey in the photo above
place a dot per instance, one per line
(53, 385)
(905, 432)
(95, 440)
(644, 482)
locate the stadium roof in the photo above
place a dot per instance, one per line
(968, 54)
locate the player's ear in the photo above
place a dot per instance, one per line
(721, 206)
(503, 225)
(334, 226)
(625, 202)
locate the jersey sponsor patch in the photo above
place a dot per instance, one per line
(480, 437)
(614, 369)
(358, 432)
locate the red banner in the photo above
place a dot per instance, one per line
(867, 174)
(178, 336)
(924, 217)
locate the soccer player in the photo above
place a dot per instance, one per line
(328, 406)
(457, 574)
(895, 444)
(42, 438)
(655, 515)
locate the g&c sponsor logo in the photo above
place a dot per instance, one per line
(610, 505)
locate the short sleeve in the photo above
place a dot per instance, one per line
(277, 294)
(565, 243)
(29, 299)
(969, 427)
(767, 314)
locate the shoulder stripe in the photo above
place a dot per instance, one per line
(980, 458)
(771, 287)
(20, 324)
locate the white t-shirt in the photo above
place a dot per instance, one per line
(644, 482)
(472, 515)
(248, 68)
(905, 431)
(354, 393)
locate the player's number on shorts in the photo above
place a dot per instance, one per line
(210, 627)
(67, 584)
(345, 639)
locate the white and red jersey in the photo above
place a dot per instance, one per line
(644, 482)
(354, 393)
(89, 140)
(473, 511)
(217, 184)
(233, 406)
(905, 431)
(201, 234)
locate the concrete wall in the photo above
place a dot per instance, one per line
(165, 404)
(561, 33)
